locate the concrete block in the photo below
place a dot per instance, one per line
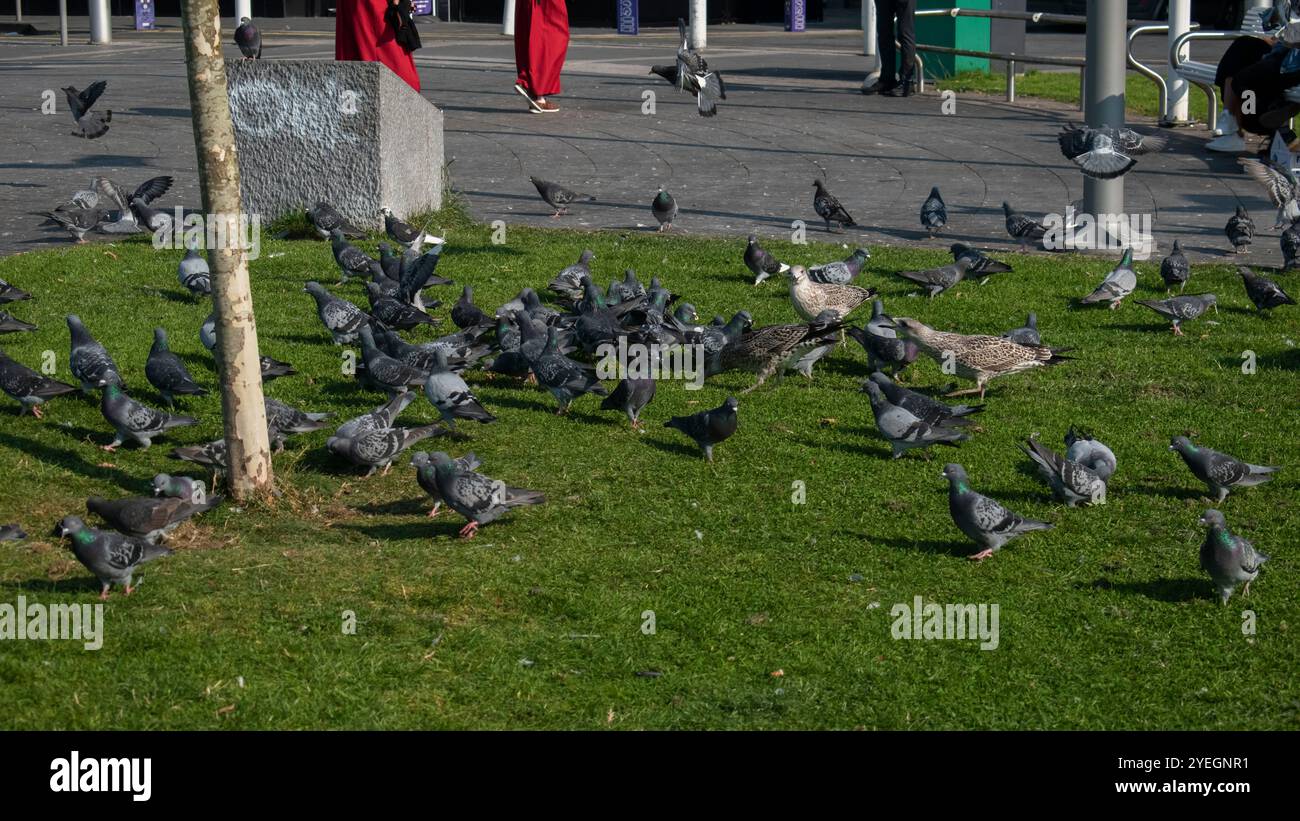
(350, 133)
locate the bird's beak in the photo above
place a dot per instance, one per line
(58, 531)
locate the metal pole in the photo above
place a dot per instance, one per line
(101, 27)
(699, 22)
(1011, 81)
(63, 22)
(869, 30)
(18, 10)
(1106, 53)
(508, 19)
(1180, 22)
(243, 8)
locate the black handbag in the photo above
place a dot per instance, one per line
(399, 17)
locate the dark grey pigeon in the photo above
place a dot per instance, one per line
(631, 396)
(284, 420)
(904, 430)
(840, 273)
(380, 418)
(193, 273)
(465, 314)
(1240, 230)
(89, 361)
(341, 318)
(134, 420)
(930, 411)
(1175, 269)
(938, 280)
(393, 312)
(179, 487)
(478, 498)
(1220, 472)
(1022, 228)
(112, 557)
(983, 520)
(12, 533)
(710, 427)
(885, 350)
(1179, 309)
(28, 387)
(427, 475)
(1027, 334)
(690, 73)
(1290, 249)
(389, 263)
(403, 233)
(664, 207)
(249, 39)
(1082, 448)
(77, 223)
(1070, 482)
(9, 293)
(934, 215)
(326, 219)
(562, 376)
(1263, 292)
(383, 372)
(1228, 558)
(557, 196)
(166, 372)
(127, 211)
(274, 368)
(10, 324)
(352, 261)
(418, 273)
(760, 263)
(379, 448)
(90, 124)
(829, 208)
(980, 265)
(148, 517)
(451, 396)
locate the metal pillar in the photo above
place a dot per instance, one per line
(101, 27)
(243, 8)
(1180, 22)
(1104, 94)
(508, 19)
(18, 10)
(870, 46)
(698, 23)
(63, 22)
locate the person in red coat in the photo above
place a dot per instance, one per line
(362, 32)
(541, 41)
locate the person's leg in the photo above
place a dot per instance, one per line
(523, 35)
(884, 47)
(906, 11)
(549, 47)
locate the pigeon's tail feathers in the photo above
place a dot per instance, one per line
(1029, 525)
(1152, 144)
(1049, 463)
(710, 93)
(518, 496)
(1104, 165)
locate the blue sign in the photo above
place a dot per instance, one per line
(796, 14)
(629, 16)
(144, 12)
(420, 8)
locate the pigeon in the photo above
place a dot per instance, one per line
(325, 219)
(378, 448)
(981, 358)
(134, 420)
(664, 207)
(1281, 185)
(352, 261)
(903, 429)
(773, 349)
(829, 208)
(562, 376)
(284, 420)
(1290, 241)
(983, 520)
(930, 411)
(166, 372)
(1263, 292)
(568, 283)
(208, 333)
(478, 498)
(121, 208)
(28, 387)
(10, 324)
(1026, 335)
(934, 215)
(427, 475)
(148, 517)
(1180, 309)
(885, 350)
(112, 557)
(404, 234)
(1070, 482)
(691, 74)
(557, 196)
(389, 263)
(12, 533)
(89, 361)
(938, 280)
(193, 273)
(77, 223)
(210, 454)
(1106, 153)
(1118, 284)
(465, 314)
(1174, 269)
(1083, 449)
(1240, 230)
(631, 396)
(381, 418)
(1220, 472)
(90, 124)
(249, 39)
(179, 487)
(394, 313)
(840, 273)
(1022, 228)
(418, 273)
(811, 298)
(274, 368)
(150, 218)
(760, 263)
(341, 318)
(980, 265)
(710, 427)
(1228, 558)
(451, 396)
(383, 372)
(9, 293)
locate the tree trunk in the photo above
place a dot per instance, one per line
(247, 445)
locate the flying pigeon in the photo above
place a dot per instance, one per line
(691, 73)
(404, 234)
(379, 448)
(10, 324)
(148, 517)
(811, 298)
(631, 396)
(451, 396)
(1180, 309)
(981, 358)
(710, 427)
(90, 124)
(1118, 284)
(427, 475)
(9, 293)
(840, 273)
(193, 273)
(166, 372)
(760, 263)
(121, 208)
(1106, 153)
(980, 265)
(341, 318)
(938, 280)
(112, 557)
(1228, 558)
(478, 498)
(77, 223)
(1083, 449)
(903, 429)
(664, 207)
(249, 39)
(89, 361)
(829, 208)
(1240, 230)
(134, 420)
(557, 196)
(27, 386)
(1174, 269)
(1220, 472)
(1263, 292)
(983, 520)
(1281, 185)
(1027, 334)
(326, 219)
(934, 215)
(1070, 481)
(1022, 228)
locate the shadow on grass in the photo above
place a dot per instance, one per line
(944, 547)
(78, 585)
(1166, 590)
(676, 448)
(445, 526)
(400, 507)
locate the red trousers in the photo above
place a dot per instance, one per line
(541, 40)
(361, 33)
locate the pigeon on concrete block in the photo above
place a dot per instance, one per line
(934, 214)
(557, 196)
(1240, 230)
(249, 39)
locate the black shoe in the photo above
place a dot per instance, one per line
(880, 86)
(902, 89)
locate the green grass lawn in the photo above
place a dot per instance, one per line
(768, 614)
(1063, 87)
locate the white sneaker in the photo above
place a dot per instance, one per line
(1230, 143)
(1227, 124)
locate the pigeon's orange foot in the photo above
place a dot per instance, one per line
(436, 508)
(103, 594)
(468, 531)
(980, 556)
(36, 411)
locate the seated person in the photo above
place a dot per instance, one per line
(1253, 77)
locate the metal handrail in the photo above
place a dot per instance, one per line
(1176, 60)
(1146, 71)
